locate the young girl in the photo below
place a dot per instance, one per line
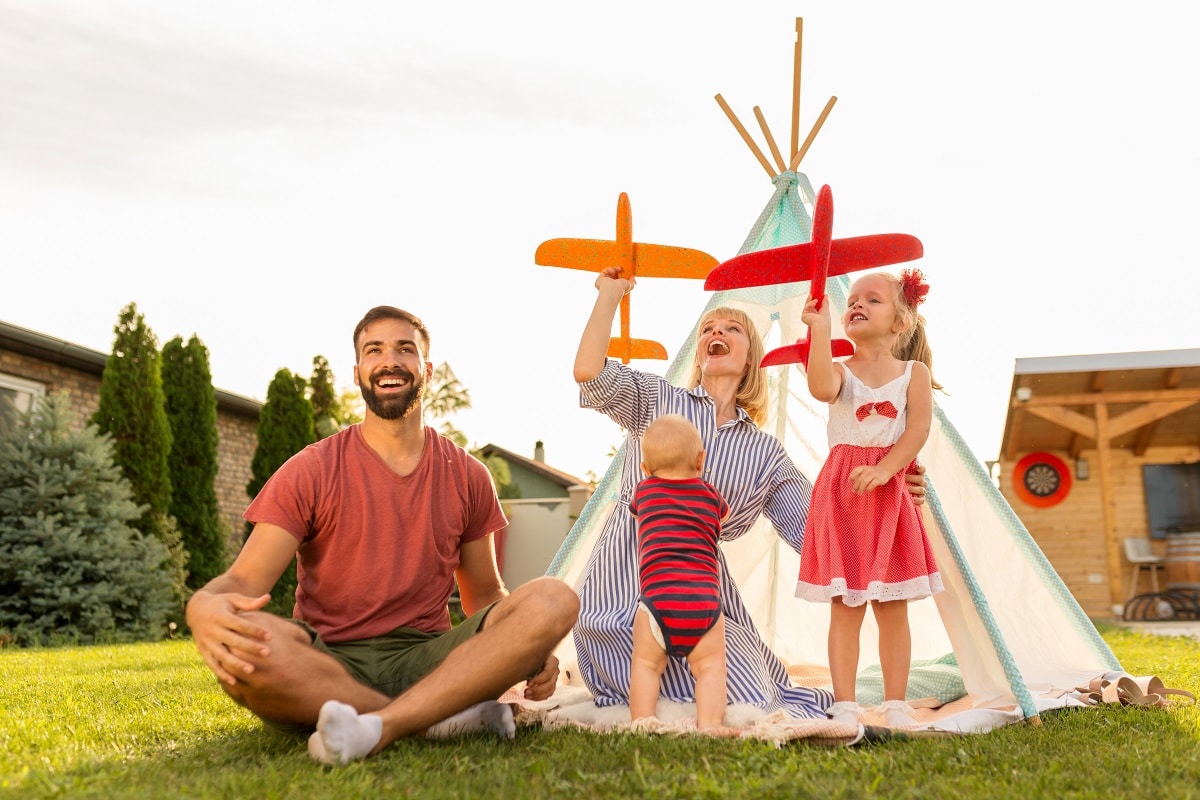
(864, 540)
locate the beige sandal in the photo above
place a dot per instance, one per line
(1146, 692)
(1152, 686)
(1124, 690)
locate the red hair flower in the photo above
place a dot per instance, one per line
(915, 287)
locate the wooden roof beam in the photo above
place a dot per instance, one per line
(1077, 444)
(1066, 418)
(1146, 434)
(1145, 415)
(1109, 398)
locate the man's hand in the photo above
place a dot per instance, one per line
(223, 635)
(542, 685)
(915, 483)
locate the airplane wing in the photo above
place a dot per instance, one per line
(868, 252)
(649, 260)
(795, 262)
(587, 254)
(798, 353)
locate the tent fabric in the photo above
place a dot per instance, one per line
(1019, 639)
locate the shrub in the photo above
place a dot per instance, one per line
(72, 566)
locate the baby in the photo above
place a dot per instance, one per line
(679, 519)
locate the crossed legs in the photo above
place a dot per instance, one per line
(294, 682)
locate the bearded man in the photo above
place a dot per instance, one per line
(382, 518)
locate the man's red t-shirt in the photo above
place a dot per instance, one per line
(377, 550)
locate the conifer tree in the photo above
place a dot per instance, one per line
(285, 427)
(73, 568)
(133, 413)
(191, 405)
(324, 399)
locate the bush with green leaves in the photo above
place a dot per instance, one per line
(73, 568)
(191, 404)
(285, 427)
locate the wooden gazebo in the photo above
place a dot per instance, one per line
(1079, 431)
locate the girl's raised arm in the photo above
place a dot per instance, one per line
(824, 379)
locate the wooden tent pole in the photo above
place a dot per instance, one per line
(796, 159)
(796, 88)
(762, 123)
(745, 136)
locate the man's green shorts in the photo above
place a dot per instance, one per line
(394, 661)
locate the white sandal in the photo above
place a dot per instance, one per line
(846, 712)
(897, 714)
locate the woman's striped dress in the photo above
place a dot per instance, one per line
(755, 476)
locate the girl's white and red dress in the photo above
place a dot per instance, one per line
(869, 546)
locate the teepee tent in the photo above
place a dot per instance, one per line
(1006, 625)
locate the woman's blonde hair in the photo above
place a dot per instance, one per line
(752, 391)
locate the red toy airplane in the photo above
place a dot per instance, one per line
(813, 261)
(634, 259)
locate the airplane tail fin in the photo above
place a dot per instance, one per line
(628, 349)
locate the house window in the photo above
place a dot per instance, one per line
(21, 392)
(1172, 498)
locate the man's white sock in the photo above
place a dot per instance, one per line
(485, 716)
(343, 735)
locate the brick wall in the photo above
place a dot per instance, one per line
(236, 427)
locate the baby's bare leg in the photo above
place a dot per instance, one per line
(707, 662)
(645, 669)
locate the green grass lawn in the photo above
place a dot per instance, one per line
(149, 721)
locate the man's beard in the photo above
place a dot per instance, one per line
(394, 405)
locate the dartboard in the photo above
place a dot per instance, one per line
(1041, 479)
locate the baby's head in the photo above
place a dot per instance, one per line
(671, 448)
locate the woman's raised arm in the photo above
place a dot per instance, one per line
(593, 345)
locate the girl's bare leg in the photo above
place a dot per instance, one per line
(895, 647)
(845, 625)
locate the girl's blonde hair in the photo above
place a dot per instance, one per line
(752, 391)
(912, 344)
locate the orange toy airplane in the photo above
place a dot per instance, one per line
(634, 259)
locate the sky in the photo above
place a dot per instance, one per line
(260, 174)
